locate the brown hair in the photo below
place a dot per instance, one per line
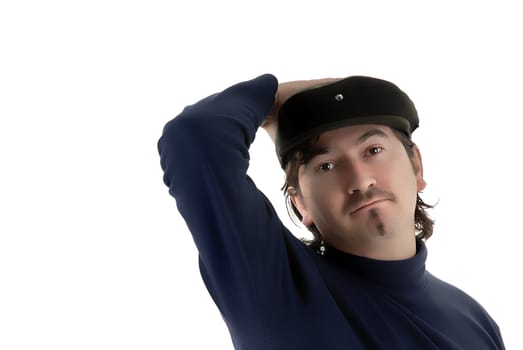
(302, 154)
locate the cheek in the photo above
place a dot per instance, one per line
(321, 196)
(326, 188)
(327, 201)
(399, 178)
(408, 187)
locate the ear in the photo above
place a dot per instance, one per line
(299, 204)
(418, 169)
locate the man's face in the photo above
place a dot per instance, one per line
(360, 186)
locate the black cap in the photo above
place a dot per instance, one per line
(354, 100)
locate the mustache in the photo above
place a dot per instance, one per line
(358, 199)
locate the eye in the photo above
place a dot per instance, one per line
(326, 167)
(374, 150)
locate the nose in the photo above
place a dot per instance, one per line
(360, 178)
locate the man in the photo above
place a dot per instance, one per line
(353, 177)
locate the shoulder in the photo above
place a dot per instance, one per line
(456, 299)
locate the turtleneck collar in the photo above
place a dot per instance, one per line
(394, 273)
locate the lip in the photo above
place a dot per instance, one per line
(367, 204)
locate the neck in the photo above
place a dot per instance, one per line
(398, 248)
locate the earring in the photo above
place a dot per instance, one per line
(321, 249)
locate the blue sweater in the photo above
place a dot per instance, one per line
(272, 290)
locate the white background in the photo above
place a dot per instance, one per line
(93, 254)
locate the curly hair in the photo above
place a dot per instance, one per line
(301, 154)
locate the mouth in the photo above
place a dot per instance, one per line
(367, 205)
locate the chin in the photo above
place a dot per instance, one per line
(379, 223)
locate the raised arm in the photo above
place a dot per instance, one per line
(204, 155)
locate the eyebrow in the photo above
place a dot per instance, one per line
(317, 151)
(369, 134)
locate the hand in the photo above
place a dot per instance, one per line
(286, 90)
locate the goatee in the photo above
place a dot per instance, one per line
(379, 224)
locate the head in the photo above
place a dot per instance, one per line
(354, 174)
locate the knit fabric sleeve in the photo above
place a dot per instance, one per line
(204, 155)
